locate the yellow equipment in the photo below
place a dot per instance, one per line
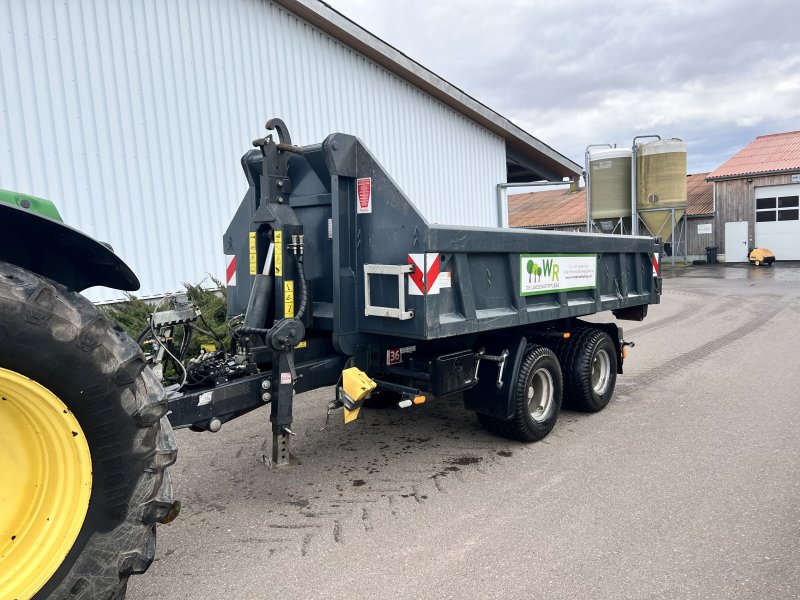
(356, 386)
(761, 256)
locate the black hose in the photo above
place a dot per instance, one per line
(301, 310)
(213, 334)
(252, 331)
(140, 338)
(188, 332)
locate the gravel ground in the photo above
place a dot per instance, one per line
(685, 486)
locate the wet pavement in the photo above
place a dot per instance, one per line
(780, 271)
(686, 486)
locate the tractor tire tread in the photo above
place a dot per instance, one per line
(132, 488)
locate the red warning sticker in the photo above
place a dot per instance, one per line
(364, 193)
(230, 272)
(424, 280)
(656, 266)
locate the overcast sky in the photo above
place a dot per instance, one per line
(572, 73)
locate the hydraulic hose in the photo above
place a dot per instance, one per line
(301, 310)
(252, 331)
(248, 329)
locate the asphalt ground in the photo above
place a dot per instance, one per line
(686, 486)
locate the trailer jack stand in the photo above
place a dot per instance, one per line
(283, 338)
(281, 457)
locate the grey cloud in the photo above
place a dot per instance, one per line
(548, 64)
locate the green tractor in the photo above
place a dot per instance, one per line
(86, 444)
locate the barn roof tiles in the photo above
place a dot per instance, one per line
(700, 195)
(546, 208)
(560, 207)
(765, 154)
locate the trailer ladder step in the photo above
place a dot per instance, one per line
(400, 312)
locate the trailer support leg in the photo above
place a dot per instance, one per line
(281, 415)
(281, 457)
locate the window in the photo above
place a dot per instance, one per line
(784, 208)
(762, 203)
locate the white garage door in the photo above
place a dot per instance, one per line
(778, 220)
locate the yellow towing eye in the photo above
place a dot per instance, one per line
(45, 485)
(356, 386)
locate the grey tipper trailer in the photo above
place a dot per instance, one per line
(339, 280)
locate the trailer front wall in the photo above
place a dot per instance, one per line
(132, 116)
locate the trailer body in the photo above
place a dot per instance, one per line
(420, 308)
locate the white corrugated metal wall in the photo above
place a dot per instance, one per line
(132, 116)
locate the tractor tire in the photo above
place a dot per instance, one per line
(537, 399)
(589, 362)
(56, 344)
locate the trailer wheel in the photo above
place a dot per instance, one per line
(589, 362)
(537, 399)
(85, 446)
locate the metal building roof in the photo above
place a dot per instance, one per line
(765, 154)
(548, 162)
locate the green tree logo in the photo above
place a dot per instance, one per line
(534, 270)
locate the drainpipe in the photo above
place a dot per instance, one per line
(634, 204)
(502, 204)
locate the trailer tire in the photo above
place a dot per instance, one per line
(537, 398)
(589, 362)
(60, 354)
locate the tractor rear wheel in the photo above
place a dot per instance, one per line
(85, 448)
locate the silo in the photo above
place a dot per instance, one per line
(661, 185)
(610, 183)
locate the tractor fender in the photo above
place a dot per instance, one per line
(59, 252)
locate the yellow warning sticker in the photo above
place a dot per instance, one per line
(302, 344)
(278, 254)
(253, 255)
(288, 299)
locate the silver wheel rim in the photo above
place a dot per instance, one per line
(540, 395)
(601, 372)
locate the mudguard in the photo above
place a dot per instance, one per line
(59, 252)
(485, 397)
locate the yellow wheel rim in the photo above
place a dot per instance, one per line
(45, 484)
